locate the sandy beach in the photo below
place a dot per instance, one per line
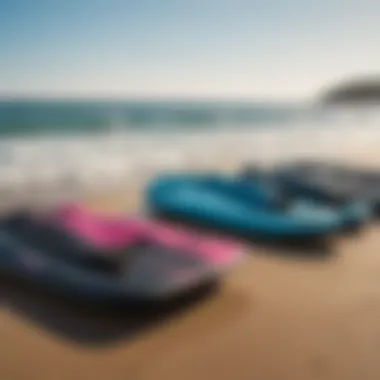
(275, 316)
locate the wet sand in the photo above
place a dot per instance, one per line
(275, 316)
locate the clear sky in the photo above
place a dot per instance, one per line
(282, 49)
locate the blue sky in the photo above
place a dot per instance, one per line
(284, 49)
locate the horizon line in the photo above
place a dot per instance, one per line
(152, 98)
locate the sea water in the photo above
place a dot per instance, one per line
(108, 143)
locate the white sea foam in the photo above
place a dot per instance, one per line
(114, 159)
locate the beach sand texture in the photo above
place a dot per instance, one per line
(274, 317)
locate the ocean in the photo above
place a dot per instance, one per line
(82, 117)
(104, 143)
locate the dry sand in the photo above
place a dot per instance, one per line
(274, 317)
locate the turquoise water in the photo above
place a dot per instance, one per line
(35, 117)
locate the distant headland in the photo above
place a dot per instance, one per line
(354, 92)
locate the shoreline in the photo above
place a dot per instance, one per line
(98, 185)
